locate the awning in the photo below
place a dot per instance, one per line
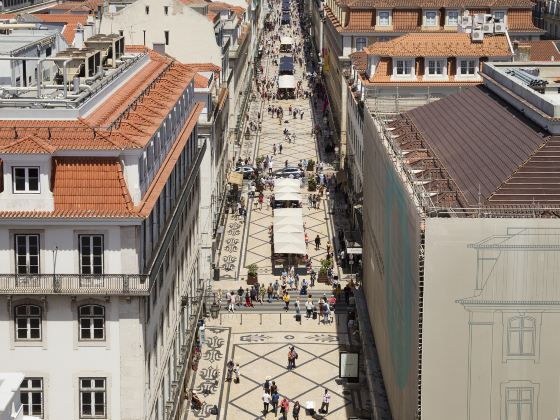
(289, 243)
(288, 231)
(286, 196)
(235, 178)
(287, 185)
(286, 82)
(286, 40)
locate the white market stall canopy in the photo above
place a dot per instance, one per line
(286, 196)
(288, 231)
(286, 82)
(286, 40)
(286, 186)
(289, 243)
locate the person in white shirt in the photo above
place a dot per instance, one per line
(266, 402)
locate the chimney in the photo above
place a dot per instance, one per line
(79, 37)
(523, 53)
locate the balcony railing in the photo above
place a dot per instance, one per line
(69, 284)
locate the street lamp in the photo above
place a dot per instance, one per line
(214, 308)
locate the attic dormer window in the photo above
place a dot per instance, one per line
(26, 180)
(430, 18)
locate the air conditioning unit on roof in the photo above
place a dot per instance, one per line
(466, 20)
(488, 28)
(500, 28)
(477, 35)
(478, 19)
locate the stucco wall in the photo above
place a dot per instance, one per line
(191, 35)
(479, 274)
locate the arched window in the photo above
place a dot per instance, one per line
(91, 319)
(521, 336)
(28, 322)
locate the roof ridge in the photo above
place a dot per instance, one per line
(32, 138)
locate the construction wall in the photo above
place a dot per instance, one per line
(490, 339)
(391, 238)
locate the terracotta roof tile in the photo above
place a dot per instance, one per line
(90, 185)
(359, 60)
(457, 4)
(543, 50)
(28, 145)
(361, 19)
(441, 45)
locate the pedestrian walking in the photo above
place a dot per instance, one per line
(236, 373)
(296, 409)
(309, 307)
(274, 398)
(286, 299)
(317, 242)
(284, 408)
(230, 365)
(266, 402)
(280, 148)
(326, 401)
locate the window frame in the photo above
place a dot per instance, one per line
(92, 255)
(442, 61)
(28, 316)
(501, 11)
(360, 40)
(459, 72)
(436, 15)
(91, 317)
(389, 15)
(447, 12)
(28, 255)
(519, 401)
(520, 333)
(405, 61)
(27, 390)
(26, 178)
(92, 391)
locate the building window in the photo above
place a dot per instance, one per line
(467, 67)
(147, 10)
(430, 18)
(28, 322)
(435, 67)
(519, 403)
(91, 254)
(361, 43)
(384, 18)
(499, 16)
(121, 32)
(91, 319)
(452, 18)
(31, 395)
(26, 180)
(166, 34)
(404, 68)
(521, 336)
(27, 254)
(93, 401)
(165, 10)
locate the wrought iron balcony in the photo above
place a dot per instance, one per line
(71, 284)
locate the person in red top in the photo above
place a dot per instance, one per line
(284, 408)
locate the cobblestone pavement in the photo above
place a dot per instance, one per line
(258, 338)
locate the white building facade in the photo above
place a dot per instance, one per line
(99, 224)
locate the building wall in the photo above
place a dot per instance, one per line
(191, 34)
(465, 354)
(391, 281)
(59, 250)
(61, 359)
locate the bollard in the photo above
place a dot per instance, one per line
(260, 315)
(280, 319)
(241, 322)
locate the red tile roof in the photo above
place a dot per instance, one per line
(90, 185)
(441, 45)
(544, 50)
(28, 145)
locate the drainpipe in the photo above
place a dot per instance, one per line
(39, 76)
